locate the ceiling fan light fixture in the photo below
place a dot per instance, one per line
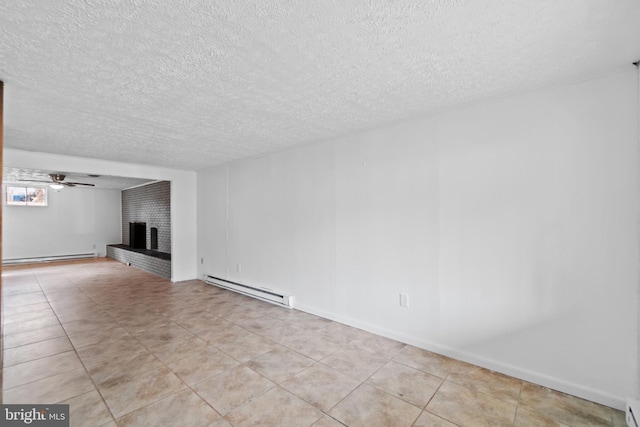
(56, 186)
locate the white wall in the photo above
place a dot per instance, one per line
(539, 234)
(76, 221)
(512, 226)
(183, 197)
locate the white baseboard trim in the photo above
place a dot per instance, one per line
(51, 258)
(553, 383)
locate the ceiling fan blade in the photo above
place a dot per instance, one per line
(71, 184)
(33, 180)
(59, 179)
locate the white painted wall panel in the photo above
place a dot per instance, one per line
(538, 221)
(76, 221)
(511, 225)
(387, 236)
(212, 222)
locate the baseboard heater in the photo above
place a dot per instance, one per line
(633, 413)
(264, 294)
(51, 258)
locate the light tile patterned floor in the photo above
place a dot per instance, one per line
(126, 348)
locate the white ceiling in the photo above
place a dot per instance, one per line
(188, 84)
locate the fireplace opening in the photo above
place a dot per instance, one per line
(138, 235)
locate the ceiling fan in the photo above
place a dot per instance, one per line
(57, 181)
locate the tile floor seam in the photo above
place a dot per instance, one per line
(341, 400)
(43, 378)
(254, 397)
(311, 403)
(251, 398)
(3, 324)
(95, 386)
(205, 401)
(167, 397)
(79, 358)
(3, 336)
(33, 342)
(422, 370)
(418, 417)
(480, 392)
(432, 396)
(283, 345)
(333, 418)
(191, 386)
(518, 404)
(515, 417)
(442, 418)
(373, 386)
(37, 358)
(169, 368)
(97, 389)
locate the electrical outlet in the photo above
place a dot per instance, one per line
(404, 300)
(239, 268)
(201, 260)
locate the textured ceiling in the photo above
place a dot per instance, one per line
(189, 84)
(23, 176)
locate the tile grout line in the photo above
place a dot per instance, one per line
(36, 342)
(95, 386)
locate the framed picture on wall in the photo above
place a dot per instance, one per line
(26, 196)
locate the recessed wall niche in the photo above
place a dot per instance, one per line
(146, 229)
(149, 204)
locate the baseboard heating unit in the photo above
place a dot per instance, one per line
(51, 258)
(633, 413)
(264, 294)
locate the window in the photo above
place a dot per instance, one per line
(26, 196)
